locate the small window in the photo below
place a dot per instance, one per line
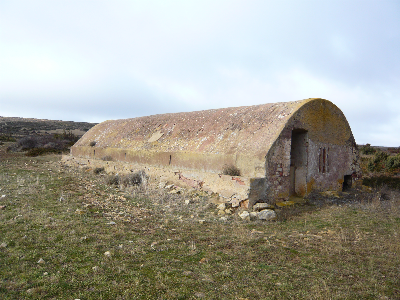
(323, 160)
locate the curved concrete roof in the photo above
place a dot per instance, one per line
(237, 131)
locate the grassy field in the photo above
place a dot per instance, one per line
(65, 234)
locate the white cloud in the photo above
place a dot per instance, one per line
(101, 60)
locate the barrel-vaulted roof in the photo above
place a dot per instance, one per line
(249, 130)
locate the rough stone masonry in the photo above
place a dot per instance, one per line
(281, 149)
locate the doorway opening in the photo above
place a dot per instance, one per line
(347, 182)
(298, 163)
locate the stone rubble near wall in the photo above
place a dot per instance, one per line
(261, 206)
(266, 214)
(224, 210)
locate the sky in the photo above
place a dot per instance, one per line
(99, 60)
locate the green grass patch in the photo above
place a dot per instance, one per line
(100, 242)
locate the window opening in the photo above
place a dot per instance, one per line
(323, 160)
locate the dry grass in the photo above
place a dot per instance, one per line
(160, 247)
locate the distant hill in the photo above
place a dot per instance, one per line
(18, 127)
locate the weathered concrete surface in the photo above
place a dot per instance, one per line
(281, 149)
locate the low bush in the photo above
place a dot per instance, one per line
(379, 181)
(7, 138)
(92, 143)
(231, 170)
(41, 151)
(98, 170)
(113, 179)
(367, 149)
(133, 179)
(54, 143)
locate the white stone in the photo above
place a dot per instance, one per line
(221, 206)
(107, 253)
(266, 214)
(261, 206)
(41, 261)
(253, 215)
(244, 215)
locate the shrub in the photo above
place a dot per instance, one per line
(367, 149)
(59, 142)
(378, 162)
(127, 180)
(28, 142)
(113, 179)
(7, 138)
(107, 158)
(379, 181)
(134, 178)
(231, 170)
(92, 143)
(98, 170)
(393, 162)
(41, 151)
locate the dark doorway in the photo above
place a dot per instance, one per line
(298, 162)
(347, 182)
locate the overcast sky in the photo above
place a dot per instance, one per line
(98, 60)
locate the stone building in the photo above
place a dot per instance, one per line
(281, 149)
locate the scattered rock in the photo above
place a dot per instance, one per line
(79, 211)
(244, 215)
(223, 206)
(3, 207)
(228, 211)
(223, 219)
(111, 223)
(41, 261)
(3, 196)
(3, 245)
(187, 273)
(203, 260)
(107, 253)
(202, 221)
(199, 295)
(253, 215)
(188, 201)
(221, 212)
(95, 268)
(45, 274)
(266, 214)
(244, 204)
(262, 206)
